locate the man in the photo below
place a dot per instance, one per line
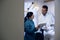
(48, 19)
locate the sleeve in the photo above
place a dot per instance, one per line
(51, 26)
(53, 22)
(29, 28)
(53, 19)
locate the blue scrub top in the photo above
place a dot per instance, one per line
(29, 28)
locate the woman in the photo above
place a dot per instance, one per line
(29, 27)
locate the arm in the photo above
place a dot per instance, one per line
(52, 22)
(29, 28)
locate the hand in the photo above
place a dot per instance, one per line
(45, 27)
(38, 27)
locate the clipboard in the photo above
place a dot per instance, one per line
(42, 24)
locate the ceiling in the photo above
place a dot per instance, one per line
(38, 0)
(48, 0)
(32, 0)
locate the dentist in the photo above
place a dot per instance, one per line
(46, 17)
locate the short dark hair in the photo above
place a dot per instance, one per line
(45, 6)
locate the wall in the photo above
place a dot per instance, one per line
(32, 9)
(11, 19)
(57, 19)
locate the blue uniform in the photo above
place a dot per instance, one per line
(29, 29)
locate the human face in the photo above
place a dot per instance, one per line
(44, 11)
(32, 17)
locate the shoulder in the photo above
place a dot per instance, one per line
(27, 22)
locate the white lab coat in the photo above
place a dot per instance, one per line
(48, 19)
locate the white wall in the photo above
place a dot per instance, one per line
(35, 11)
